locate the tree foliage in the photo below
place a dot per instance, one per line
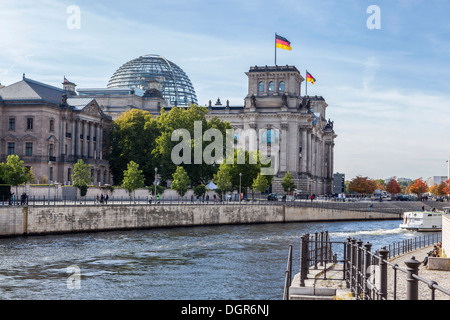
(362, 185)
(260, 183)
(132, 138)
(180, 181)
(81, 176)
(133, 178)
(393, 187)
(288, 182)
(419, 187)
(13, 171)
(185, 119)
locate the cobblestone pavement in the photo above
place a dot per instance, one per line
(441, 277)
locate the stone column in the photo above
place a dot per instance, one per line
(91, 134)
(304, 151)
(85, 134)
(309, 151)
(283, 147)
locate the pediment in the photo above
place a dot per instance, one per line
(28, 137)
(10, 137)
(93, 109)
(52, 138)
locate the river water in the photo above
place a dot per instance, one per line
(237, 262)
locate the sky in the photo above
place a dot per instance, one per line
(387, 88)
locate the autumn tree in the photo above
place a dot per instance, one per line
(419, 187)
(393, 187)
(440, 189)
(362, 185)
(447, 187)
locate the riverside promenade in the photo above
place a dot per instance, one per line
(442, 278)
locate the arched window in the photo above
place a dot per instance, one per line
(271, 86)
(281, 86)
(261, 86)
(270, 136)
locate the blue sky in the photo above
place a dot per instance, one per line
(387, 89)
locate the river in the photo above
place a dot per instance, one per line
(237, 262)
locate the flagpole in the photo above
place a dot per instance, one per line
(275, 49)
(306, 75)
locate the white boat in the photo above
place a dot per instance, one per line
(422, 220)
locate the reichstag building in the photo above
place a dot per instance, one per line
(275, 118)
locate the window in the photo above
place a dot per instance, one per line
(50, 174)
(271, 86)
(11, 148)
(281, 86)
(12, 124)
(270, 136)
(69, 174)
(50, 150)
(261, 86)
(29, 123)
(52, 125)
(29, 148)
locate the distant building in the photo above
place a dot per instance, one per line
(51, 128)
(436, 180)
(338, 183)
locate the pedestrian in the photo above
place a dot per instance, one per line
(207, 198)
(106, 198)
(102, 198)
(97, 199)
(312, 198)
(150, 199)
(158, 197)
(192, 198)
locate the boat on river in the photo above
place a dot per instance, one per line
(422, 221)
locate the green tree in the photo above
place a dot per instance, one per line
(223, 179)
(200, 190)
(133, 178)
(81, 176)
(178, 119)
(132, 138)
(13, 171)
(260, 183)
(180, 181)
(288, 182)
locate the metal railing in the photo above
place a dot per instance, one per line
(366, 273)
(288, 275)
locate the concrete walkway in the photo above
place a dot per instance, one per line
(441, 277)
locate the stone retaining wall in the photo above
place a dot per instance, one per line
(36, 220)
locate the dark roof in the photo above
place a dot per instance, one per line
(28, 89)
(273, 68)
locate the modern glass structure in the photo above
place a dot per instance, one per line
(176, 87)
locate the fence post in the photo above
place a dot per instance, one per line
(383, 273)
(367, 259)
(352, 264)
(412, 286)
(303, 261)
(315, 250)
(347, 260)
(358, 267)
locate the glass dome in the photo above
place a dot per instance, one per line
(176, 87)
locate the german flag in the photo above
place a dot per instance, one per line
(310, 78)
(282, 43)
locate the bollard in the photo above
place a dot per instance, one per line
(412, 286)
(383, 272)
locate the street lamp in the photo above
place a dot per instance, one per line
(156, 172)
(240, 176)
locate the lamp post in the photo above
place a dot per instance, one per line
(240, 176)
(156, 172)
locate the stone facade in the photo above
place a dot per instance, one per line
(289, 127)
(51, 128)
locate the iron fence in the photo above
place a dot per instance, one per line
(365, 272)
